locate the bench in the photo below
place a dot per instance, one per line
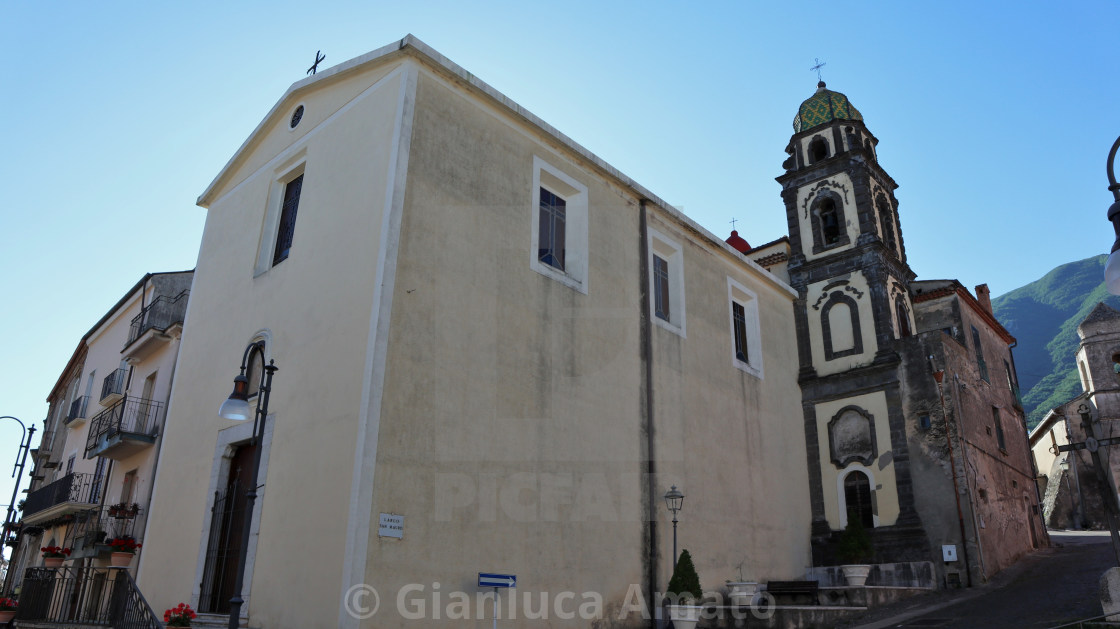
(794, 588)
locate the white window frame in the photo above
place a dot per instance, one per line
(669, 250)
(271, 227)
(739, 294)
(574, 194)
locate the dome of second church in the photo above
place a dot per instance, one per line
(822, 108)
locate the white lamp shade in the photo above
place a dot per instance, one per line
(1112, 273)
(235, 409)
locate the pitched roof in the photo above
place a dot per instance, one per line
(1102, 312)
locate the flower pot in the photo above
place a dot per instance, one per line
(53, 562)
(742, 592)
(120, 560)
(684, 616)
(856, 575)
(6, 617)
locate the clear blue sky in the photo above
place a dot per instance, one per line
(995, 118)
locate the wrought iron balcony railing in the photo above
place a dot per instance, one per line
(80, 488)
(113, 385)
(75, 596)
(93, 527)
(77, 409)
(129, 416)
(161, 314)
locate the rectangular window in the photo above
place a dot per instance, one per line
(559, 226)
(661, 288)
(739, 315)
(552, 228)
(746, 335)
(287, 227)
(999, 429)
(980, 355)
(924, 421)
(70, 463)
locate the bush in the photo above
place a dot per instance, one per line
(854, 546)
(685, 581)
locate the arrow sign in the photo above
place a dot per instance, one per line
(488, 580)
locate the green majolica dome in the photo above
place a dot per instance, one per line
(822, 108)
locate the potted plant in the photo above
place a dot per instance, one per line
(742, 592)
(685, 588)
(179, 616)
(855, 551)
(122, 550)
(8, 608)
(53, 556)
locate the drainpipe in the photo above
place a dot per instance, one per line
(967, 484)
(938, 376)
(652, 493)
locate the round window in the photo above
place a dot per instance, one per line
(297, 115)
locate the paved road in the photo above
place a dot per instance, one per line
(1048, 588)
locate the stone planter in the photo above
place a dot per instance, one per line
(742, 592)
(6, 617)
(856, 574)
(53, 562)
(684, 616)
(120, 560)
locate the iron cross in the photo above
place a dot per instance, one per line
(732, 221)
(1091, 443)
(319, 58)
(817, 68)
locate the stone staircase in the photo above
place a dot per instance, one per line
(215, 621)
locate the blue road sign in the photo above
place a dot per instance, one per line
(488, 580)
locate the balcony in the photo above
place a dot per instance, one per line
(155, 326)
(124, 428)
(94, 527)
(112, 388)
(70, 494)
(77, 415)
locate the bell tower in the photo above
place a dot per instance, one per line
(848, 264)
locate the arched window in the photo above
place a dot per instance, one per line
(903, 318)
(830, 222)
(818, 150)
(857, 498)
(886, 223)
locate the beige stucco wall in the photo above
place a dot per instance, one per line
(882, 474)
(315, 308)
(816, 297)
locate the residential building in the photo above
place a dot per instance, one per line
(495, 353)
(95, 463)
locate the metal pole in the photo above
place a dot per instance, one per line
(263, 392)
(675, 539)
(17, 472)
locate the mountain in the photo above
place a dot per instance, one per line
(1044, 316)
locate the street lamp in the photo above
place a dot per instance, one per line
(1112, 266)
(236, 407)
(17, 473)
(674, 499)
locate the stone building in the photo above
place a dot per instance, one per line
(1072, 492)
(870, 339)
(496, 353)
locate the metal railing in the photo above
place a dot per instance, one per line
(114, 383)
(95, 526)
(130, 415)
(85, 596)
(69, 488)
(161, 314)
(77, 408)
(46, 441)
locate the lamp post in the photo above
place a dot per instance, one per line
(236, 407)
(1112, 266)
(674, 499)
(17, 473)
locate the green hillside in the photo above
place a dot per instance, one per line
(1043, 316)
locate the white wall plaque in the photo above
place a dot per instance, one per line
(392, 525)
